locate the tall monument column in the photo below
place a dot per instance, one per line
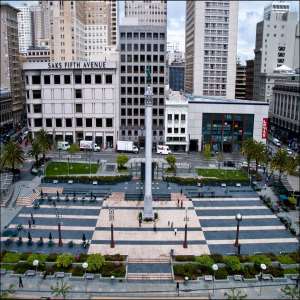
(148, 209)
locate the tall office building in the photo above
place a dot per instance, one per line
(82, 30)
(240, 82)
(141, 47)
(275, 45)
(147, 12)
(249, 78)
(25, 28)
(11, 72)
(210, 47)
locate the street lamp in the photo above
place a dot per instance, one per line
(85, 266)
(215, 269)
(111, 219)
(238, 218)
(263, 267)
(58, 217)
(185, 245)
(35, 263)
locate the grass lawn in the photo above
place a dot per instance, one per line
(61, 168)
(223, 174)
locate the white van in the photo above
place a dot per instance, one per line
(163, 149)
(276, 142)
(63, 145)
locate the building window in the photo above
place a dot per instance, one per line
(78, 108)
(182, 130)
(79, 122)
(38, 122)
(78, 79)
(169, 117)
(98, 79)
(46, 79)
(169, 130)
(48, 122)
(56, 79)
(67, 79)
(98, 122)
(68, 122)
(89, 122)
(36, 79)
(109, 122)
(28, 108)
(37, 108)
(87, 79)
(182, 117)
(58, 122)
(108, 79)
(176, 130)
(78, 93)
(36, 94)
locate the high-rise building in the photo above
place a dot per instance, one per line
(11, 71)
(275, 43)
(176, 76)
(141, 47)
(249, 78)
(147, 12)
(25, 28)
(240, 82)
(82, 30)
(210, 47)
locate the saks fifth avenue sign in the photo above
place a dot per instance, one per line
(77, 65)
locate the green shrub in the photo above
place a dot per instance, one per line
(24, 255)
(295, 256)
(285, 259)
(11, 257)
(52, 257)
(8, 267)
(291, 271)
(115, 257)
(260, 259)
(64, 260)
(272, 256)
(275, 271)
(232, 263)
(21, 268)
(204, 260)
(249, 271)
(217, 258)
(95, 262)
(113, 269)
(77, 271)
(87, 179)
(221, 274)
(185, 258)
(40, 257)
(190, 270)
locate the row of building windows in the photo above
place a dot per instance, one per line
(141, 101)
(135, 80)
(136, 133)
(67, 79)
(142, 68)
(68, 122)
(176, 117)
(141, 122)
(143, 47)
(141, 112)
(140, 91)
(142, 35)
(142, 58)
(176, 130)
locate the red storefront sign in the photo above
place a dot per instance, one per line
(264, 133)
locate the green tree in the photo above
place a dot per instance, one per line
(35, 151)
(292, 292)
(205, 260)
(64, 260)
(122, 159)
(235, 294)
(259, 153)
(281, 162)
(248, 150)
(60, 289)
(13, 155)
(207, 151)
(35, 256)
(95, 262)
(171, 160)
(43, 140)
(232, 263)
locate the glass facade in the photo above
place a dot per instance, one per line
(225, 132)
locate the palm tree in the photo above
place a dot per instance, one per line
(291, 291)
(35, 151)
(43, 141)
(235, 294)
(259, 154)
(13, 155)
(280, 162)
(60, 289)
(248, 150)
(5, 294)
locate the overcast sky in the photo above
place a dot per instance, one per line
(250, 12)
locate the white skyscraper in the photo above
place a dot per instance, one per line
(25, 28)
(211, 44)
(147, 12)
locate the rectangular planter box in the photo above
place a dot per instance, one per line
(290, 266)
(222, 280)
(250, 280)
(279, 279)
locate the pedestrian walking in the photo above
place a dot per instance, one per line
(172, 225)
(29, 224)
(31, 216)
(168, 223)
(178, 202)
(140, 222)
(154, 227)
(181, 191)
(33, 221)
(175, 231)
(181, 203)
(177, 288)
(20, 282)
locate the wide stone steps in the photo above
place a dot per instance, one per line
(52, 190)
(160, 260)
(149, 276)
(27, 200)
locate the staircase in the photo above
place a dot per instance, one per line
(149, 269)
(27, 200)
(52, 190)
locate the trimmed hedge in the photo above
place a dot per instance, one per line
(88, 179)
(208, 181)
